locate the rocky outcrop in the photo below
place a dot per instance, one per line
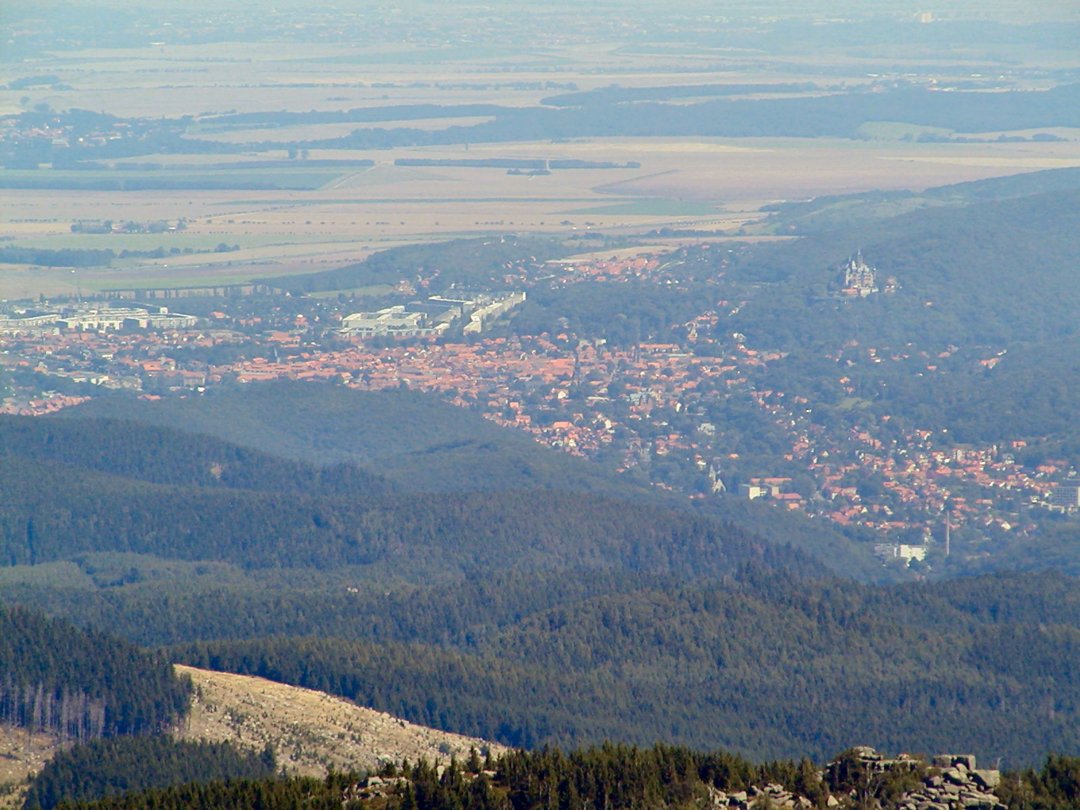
(955, 782)
(771, 795)
(950, 782)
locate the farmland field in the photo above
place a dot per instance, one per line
(284, 147)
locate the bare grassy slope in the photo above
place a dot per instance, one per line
(22, 755)
(309, 731)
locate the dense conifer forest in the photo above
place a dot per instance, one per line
(111, 767)
(81, 684)
(803, 667)
(527, 616)
(54, 512)
(611, 777)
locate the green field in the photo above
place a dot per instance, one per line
(652, 208)
(898, 131)
(371, 291)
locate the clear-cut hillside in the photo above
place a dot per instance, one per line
(310, 732)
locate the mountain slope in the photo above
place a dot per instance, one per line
(81, 684)
(763, 665)
(161, 454)
(415, 440)
(310, 732)
(987, 273)
(55, 512)
(420, 443)
(832, 213)
(22, 756)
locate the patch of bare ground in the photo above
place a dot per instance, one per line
(22, 756)
(310, 732)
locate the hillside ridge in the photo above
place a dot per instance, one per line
(311, 732)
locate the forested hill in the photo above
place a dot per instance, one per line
(463, 263)
(620, 777)
(75, 487)
(984, 273)
(764, 665)
(978, 280)
(80, 684)
(163, 455)
(414, 440)
(848, 211)
(422, 444)
(55, 512)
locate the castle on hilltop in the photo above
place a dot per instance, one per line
(859, 278)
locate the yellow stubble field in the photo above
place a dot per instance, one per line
(701, 184)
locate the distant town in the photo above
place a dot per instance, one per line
(642, 409)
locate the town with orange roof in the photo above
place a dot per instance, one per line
(661, 408)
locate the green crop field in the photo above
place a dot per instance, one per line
(652, 208)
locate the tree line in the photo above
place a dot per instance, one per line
(81, 684)
(767, 666)
(607, 777)
(110, 767)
